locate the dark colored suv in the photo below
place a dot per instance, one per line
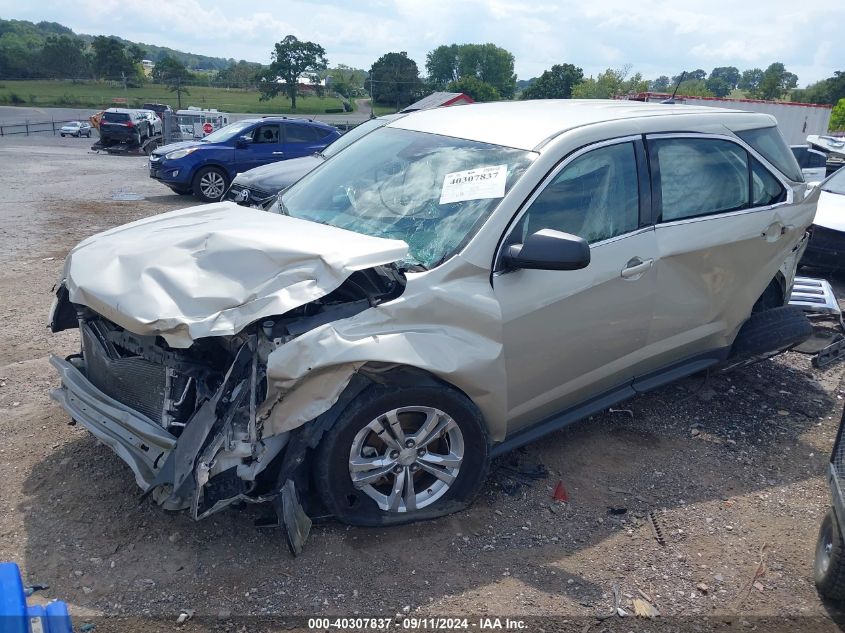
(158, 108)
(207, 166)
(120, 125)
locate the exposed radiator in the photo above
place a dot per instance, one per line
(136, 382)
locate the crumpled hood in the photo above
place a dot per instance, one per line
(211, 270)
(277, 176)
(831, 211)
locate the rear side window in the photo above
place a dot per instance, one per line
(765, 188)
(116, 117)
(769, 142)
(700, 177)
(303, 133)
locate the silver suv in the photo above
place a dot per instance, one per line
(457, 283)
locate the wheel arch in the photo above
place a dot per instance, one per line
(773, 296)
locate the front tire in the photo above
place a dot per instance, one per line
(402, 454)
(210, 184)
(829, 568)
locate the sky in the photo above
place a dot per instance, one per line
(653, 37)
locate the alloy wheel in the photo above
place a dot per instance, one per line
(212, 185)
(407, 458)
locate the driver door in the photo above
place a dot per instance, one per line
(264, 147)
(572, 335)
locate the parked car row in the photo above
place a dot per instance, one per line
(259, 186)
(443, 289)
(207, 166)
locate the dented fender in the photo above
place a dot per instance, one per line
(307, 375)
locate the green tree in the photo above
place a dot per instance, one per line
(611, 83)
(173, 74)
(63, 56)
(729, 74)
(555, 83)
(689, 75)
(776, 82)
(750, 81)
(347, 81)
(18, 56)
(112, 60)
(694, 88)
(661, 84)
(837, 117)
(479, 90)
(394, 79)
(291, 59)
(830, 90)
(243, 74)
(722, 80)
(488, 63)
(442, 65)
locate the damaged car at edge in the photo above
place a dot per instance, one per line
(453, 285)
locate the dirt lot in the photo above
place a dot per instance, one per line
(732, 466)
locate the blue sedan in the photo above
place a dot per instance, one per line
(206, 167)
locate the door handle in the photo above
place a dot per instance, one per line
(278, 153)
(636, 267)
(776, 230)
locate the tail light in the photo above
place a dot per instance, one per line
(130, 124)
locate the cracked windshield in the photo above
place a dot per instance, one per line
(433, 192)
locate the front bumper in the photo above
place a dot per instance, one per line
(169, 173)
(139, 441)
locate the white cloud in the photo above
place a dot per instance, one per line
(654, 37)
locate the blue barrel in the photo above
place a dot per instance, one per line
(17, 617)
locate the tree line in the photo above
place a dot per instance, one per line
(483, 71)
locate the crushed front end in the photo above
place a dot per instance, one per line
(188, 421)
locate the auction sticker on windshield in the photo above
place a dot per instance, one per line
(474, 184)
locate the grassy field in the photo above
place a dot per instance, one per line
(381, 110)
(98, 94)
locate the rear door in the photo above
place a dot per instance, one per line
(722, 233)
(302, 139)
(571, 335)
(265, 147)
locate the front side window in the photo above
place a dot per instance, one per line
(699, 176)
(433, 192)
(266, 134)
(595, 197)
(223, 134)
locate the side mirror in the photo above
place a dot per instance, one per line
(242, 142)
(549, 250)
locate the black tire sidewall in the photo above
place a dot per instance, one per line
(830, 582)
(331, 468)
(771, 330)
(195, 184)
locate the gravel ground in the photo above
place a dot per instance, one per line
(731, 466)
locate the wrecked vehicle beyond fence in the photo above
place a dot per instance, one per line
(453, 285)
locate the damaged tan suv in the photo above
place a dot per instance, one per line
(458, 283)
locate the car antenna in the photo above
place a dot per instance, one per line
(671, 100)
